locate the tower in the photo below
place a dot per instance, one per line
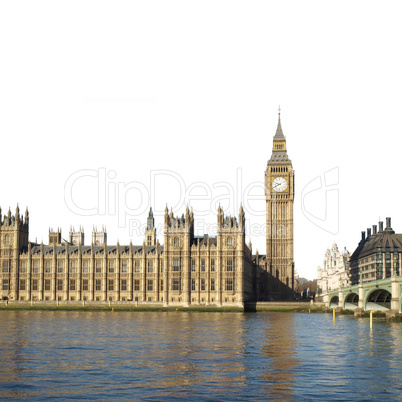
(55, 237)
(150, 231)
(279, 194)
(178, 236)
(99, 238)
(14, 231)
(76, 238)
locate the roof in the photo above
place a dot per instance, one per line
(204, 240)
(378, 242)
(279, 133)
(73, 250)
(279, 155)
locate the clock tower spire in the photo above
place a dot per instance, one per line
(279, 195)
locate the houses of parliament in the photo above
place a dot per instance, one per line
(184, 270)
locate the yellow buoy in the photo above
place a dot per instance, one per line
(371, 320)
(333, 313)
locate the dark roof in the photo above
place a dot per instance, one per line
(279, 156)
(73, 250)
(378, 242)
(279, 133)
(203, 240)
(261, 257)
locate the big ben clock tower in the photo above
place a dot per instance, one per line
(279, 194)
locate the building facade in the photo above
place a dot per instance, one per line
(279, 192)
(377, 256)
(276, 269)
(185, 270)
(334, 273)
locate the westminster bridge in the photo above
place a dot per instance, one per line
(383, 294)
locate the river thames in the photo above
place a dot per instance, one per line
(64, 355)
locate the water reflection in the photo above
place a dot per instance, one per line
(280, 344)
(192, 356)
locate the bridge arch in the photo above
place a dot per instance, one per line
(334, 301)
(351, 301)
(378, 299)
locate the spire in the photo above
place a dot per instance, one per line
(279, 153)
(279, 132)
(150, 220)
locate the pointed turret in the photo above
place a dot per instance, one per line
(279, 132)
(279, 153)
(241, 217)
(150, 231)
(150, 220)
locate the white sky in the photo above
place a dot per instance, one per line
(133, 90)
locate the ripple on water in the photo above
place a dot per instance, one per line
(193, 356)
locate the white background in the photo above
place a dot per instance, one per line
(128, 89)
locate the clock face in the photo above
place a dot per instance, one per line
(279, 184)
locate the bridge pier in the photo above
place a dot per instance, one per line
(340, 302)
(361, 296)
(395, 302)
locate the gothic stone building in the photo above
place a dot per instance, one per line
(334, 273)
(184, 270)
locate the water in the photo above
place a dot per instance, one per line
(48, 355)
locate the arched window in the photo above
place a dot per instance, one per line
(176, 242)
(7, 240)
(230, 242)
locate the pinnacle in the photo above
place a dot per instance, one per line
(279, 132)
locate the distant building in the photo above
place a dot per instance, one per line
(334, 273)
(377, 256)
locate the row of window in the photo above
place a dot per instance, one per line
(136, 298)
(279, 169)
(176, 285)
(229, 266)
(176, 240)
(229, 242)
